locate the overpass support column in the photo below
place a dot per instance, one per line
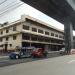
(68, 36)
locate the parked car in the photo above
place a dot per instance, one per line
(62, 51)
(14, 55)
(39, 52)
(21, 53)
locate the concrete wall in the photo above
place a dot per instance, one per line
(16, 42)
(10, 35)
(38, 26)
(20, 30)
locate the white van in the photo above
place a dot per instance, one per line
(62, 50)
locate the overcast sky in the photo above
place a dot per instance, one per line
(6, 14)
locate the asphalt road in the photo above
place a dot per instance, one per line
(8, 62)
(5, 61)
(63, 65)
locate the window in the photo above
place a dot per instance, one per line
(1, 32)
(25, 36)
(47, 40)
(60, 36)
(41, 39)
(40, 31)
(63, 37)
(56, 35)
(53, 41)
(25, 27)
(46, 33)
(52, 34)
(10, 45)
(1, 45)
(1, 39)
(7, 38)
(34, 29)
(33, 38)
(14, 28)
(14, 37)
(7, 30)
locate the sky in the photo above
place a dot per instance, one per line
(6, 14)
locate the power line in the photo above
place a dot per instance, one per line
(9, 6)
(3, 2)
(11, 9)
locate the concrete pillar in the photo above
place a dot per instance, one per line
(30, 40)
(46, 47)
(49, 47)
(68, 36)
(57, 48)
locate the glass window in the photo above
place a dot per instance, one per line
(41, 39)
(34, 38)
(63, 37)
(1, 45)
(53, 41)
(60, 36)
(14, 37)
(7, 38)
(46, 33)
(25, 27)
(56, 35)
(1, 39)
(1, 32)
(40, 31)
(7, 30)
(10, 45)
(25, 37)
(47, 40)
(34, 29)
(52, 34)
(14, 28)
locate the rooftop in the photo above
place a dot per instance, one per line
(31, 18)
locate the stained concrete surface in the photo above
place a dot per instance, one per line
(63, 65)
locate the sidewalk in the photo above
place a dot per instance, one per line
(1, 57)
(4, 55)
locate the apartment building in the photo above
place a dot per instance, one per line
(29, 31)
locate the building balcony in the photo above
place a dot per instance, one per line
(39, 34)
(30, 41)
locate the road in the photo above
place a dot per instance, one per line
(63, 65)
(5, 61)
(8, 62)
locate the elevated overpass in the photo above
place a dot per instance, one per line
(61, 10)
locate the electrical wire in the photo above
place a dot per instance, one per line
(3, 2)
(11, 9)
(9, 6)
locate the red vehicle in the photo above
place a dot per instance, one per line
(39, 52)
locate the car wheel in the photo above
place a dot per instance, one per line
(17, 57)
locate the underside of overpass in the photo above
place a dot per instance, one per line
(61, 10)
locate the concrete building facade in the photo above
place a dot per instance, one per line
(29, 31)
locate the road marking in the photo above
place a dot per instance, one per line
(72, 61)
